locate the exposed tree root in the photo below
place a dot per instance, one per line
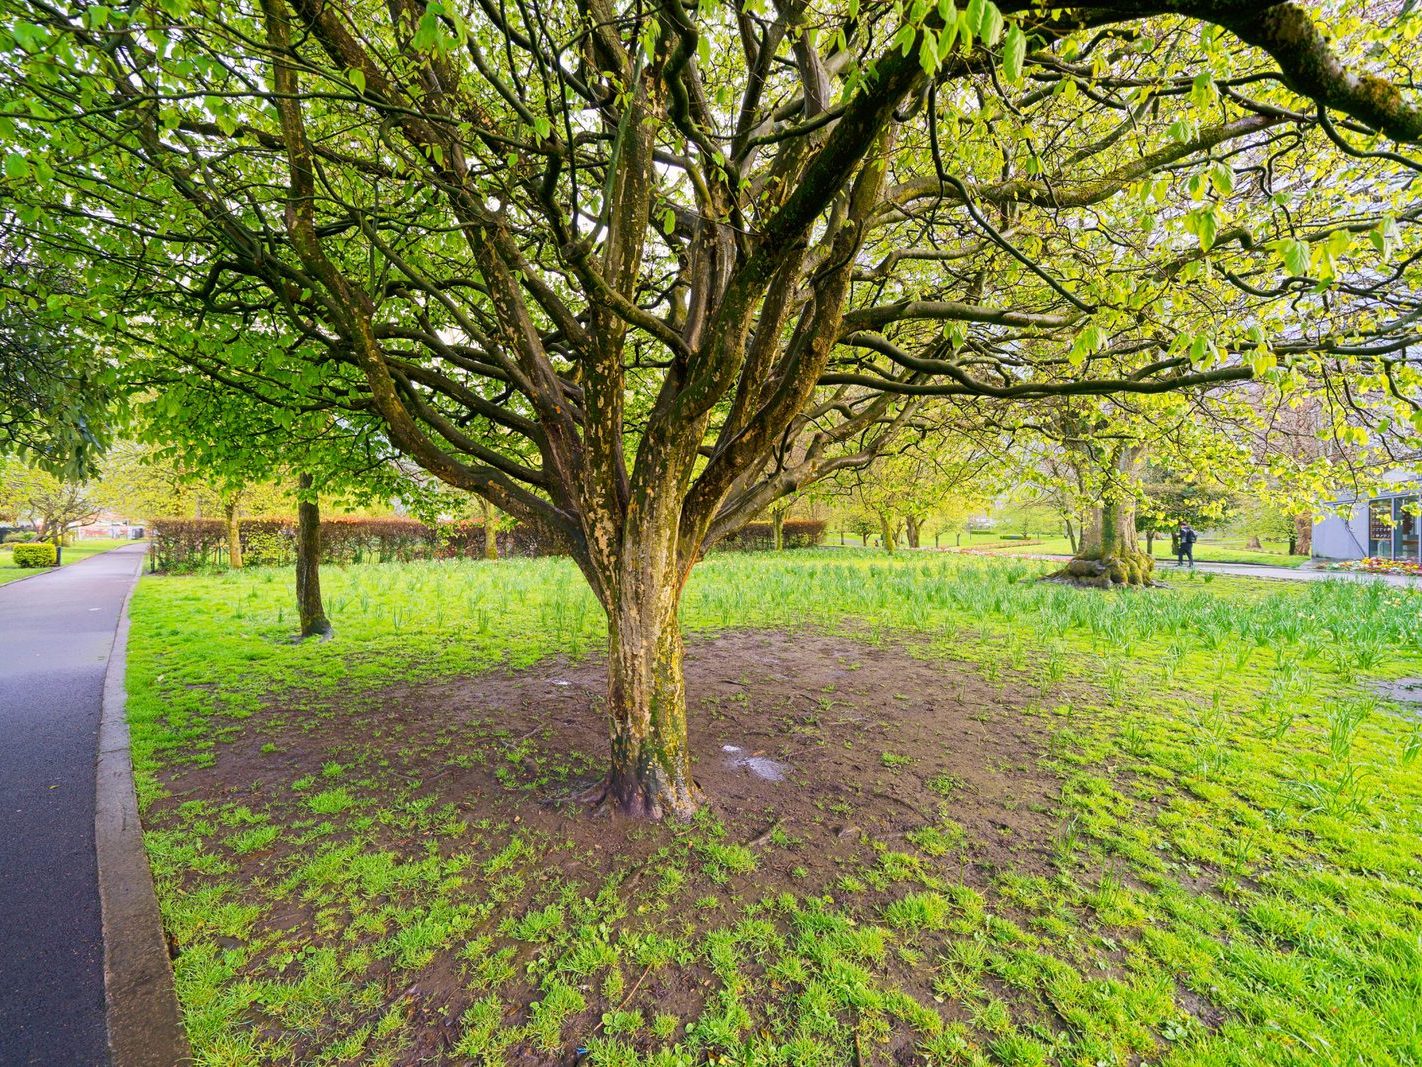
(1130, 570)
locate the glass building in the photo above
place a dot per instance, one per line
(1384, 525)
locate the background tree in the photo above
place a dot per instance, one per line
(55, 393)
(632, 272)
(56, 506)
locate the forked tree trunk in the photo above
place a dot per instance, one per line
(650, 775)
(1303, 535)
(911, 530)
(1150, 543)
(886, 528)
(491, 537)
(308, 565)
(234, 535)
(1110, 553)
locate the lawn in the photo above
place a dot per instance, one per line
(1274, 554)
(72, 554)
(959, 816)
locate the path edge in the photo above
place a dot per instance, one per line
(141, 1002)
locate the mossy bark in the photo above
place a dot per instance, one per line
(911, 530)
(1110, 555)
(309, 606)
(650, 773)
(650, 776)
(886, 530)
(491, 537)
(234, 535)
(777, 526)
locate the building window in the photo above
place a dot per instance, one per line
(1408, 545)
(1380, 529)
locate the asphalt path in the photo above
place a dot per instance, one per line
(56, 632)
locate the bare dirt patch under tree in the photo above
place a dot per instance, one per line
(821, 755)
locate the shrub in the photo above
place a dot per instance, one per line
(20, 537)
(39, 554)
(760, 536)
(190, 544)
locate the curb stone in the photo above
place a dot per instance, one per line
(144, 1024)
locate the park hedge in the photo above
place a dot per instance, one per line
(38, 554)
(191, 544)
(760, 536)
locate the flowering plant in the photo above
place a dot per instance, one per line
(1382, 565)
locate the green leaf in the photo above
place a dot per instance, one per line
(1222, 177)
(977, 11)
(1294, 256)
(1014, 52)
(992, 25)
(1263, 361)
(16, 166)
(668, 221)
(357, 78)
(928, 53)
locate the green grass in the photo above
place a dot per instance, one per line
(1274, 554)
(1240, 826)
(72, 554)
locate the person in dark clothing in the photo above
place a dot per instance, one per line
(1185, 545)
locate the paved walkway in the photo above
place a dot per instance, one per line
(1165, 569)
(1293, 574)
(56, 631)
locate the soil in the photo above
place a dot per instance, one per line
(789, 733)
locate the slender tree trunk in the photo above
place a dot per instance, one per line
(777, 527)
(911, 530)
(1150, 543)
(1070, 533)
(308, 565)
(1303, 534)
(886, 528)
(234, 535)
(491, 537)
(650, 775)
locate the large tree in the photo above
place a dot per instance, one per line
(633, 271)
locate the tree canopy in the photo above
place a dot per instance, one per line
(632, 272)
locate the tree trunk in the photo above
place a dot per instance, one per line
(1254, 542)
(1303, 534)
(777, 526)
(650, 776)
(1070, 533)
(234, 535)
(911, 530)
(308, 565)
(491, 536)
(886, 528)
(1150, 543)
(1110, 552)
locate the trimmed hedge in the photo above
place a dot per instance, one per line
(38, 554)
(760, 536)
(189, 544)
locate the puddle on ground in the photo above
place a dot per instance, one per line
(1402, 690)
(761, 766)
